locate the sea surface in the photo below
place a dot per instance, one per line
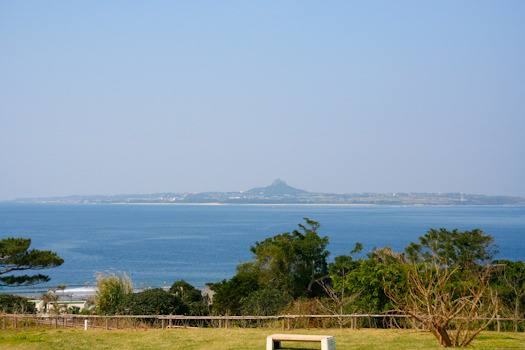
(159, 244)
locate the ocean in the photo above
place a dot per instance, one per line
(157, 245)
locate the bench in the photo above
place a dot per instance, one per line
(274, 341)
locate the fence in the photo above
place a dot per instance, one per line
(354, 321)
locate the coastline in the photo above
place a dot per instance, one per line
(270, 204)
(243, 204)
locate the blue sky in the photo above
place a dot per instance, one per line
(101, 97)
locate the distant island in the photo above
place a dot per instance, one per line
(280, 193)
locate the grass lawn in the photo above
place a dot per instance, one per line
(236, 338)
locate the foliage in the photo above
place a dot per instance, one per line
(228, 294)
(185, 291)
(294, 262)
(15, 256)
(306, 306)
(466, 249)
(154, 301)
(11, 304)
(111, 291)
(366, 278)
(510, 283)
(342, 265)
(338, 303)
(74, 310)
(265, 302)
(191, 296)
(339, 300)
(50, 299)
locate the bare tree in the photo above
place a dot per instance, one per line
(337, 301)
(454, 304)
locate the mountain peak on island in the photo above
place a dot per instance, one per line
(277, 188)
(278, 182)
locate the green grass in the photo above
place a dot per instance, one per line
(237, 338)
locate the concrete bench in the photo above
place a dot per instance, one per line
(274, 341)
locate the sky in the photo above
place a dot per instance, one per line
(124, 97)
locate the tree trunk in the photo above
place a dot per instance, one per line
(441, 334)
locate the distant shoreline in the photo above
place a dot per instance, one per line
(280, 194)
(251, 204)
(267, 204)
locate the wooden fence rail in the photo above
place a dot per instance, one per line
(352, 321)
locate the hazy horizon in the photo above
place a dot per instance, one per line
(236, 190)
(107, 97)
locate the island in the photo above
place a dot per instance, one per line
(279, 193)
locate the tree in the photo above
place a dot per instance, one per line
(338, 299)
(294, 262)
(448, 285)
(190, 296)
(228, 294)
(111, 291)
(337, 302)
(447, 300)
(186, 291)
(511, 283)
(466, 249)
(366, 278)
(15, 256)
(51, 298)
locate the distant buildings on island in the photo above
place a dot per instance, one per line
(280, 193)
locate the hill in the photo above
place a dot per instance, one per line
(277, 188)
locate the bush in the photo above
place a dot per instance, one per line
(228, 294)
(265, 302)
(155, 302)
(112, 289)
(14, 304)
(190, 296)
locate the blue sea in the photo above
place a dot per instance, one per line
(159, 244)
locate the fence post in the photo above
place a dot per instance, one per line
(499, 323)
(85, 324)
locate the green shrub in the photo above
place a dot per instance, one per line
(112, 289)
(190, 296)
(155, 302)
(15, 304)
(265, 302)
